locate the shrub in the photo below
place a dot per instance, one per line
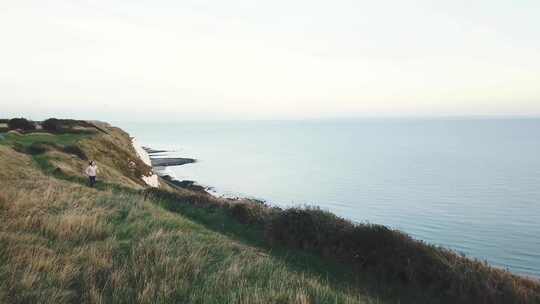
(186, 184)
(36, 148)
(55, 125)
(172, 200)
(249, 212)
(393, 255)
(301, 228)
(75, 150)
(52, 125)
(21, 123)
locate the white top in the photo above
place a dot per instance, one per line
(91, 170)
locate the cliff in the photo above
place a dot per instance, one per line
(126, 241)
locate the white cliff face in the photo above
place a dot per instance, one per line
(151, 180)
(141, 152)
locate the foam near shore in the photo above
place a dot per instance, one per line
(151, 180)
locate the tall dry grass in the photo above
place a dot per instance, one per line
(61, 242)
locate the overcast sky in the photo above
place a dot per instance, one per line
(279, 59)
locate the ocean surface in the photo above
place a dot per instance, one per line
(469, 185)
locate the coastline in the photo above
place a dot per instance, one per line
(160, 167)
(160, 163)
(151, 222)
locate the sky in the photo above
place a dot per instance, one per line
(246, 59)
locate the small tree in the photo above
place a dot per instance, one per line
(52, 125)
(21, 123)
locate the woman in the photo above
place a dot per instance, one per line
(91, 171)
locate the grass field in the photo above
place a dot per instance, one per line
(61, 242)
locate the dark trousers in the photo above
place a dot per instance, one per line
(92, 181)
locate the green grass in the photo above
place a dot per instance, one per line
(32, 138)
(43, 162)
(36, 144)
(125, 249)
(35, 141)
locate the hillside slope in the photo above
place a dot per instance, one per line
(63, 242)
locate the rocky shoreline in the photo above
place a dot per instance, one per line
(166, 161)
(159, 164)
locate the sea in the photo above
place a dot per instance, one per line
(471, 185)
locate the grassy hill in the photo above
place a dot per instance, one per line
(63, 242)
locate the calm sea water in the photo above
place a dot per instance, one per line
(470, 185)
